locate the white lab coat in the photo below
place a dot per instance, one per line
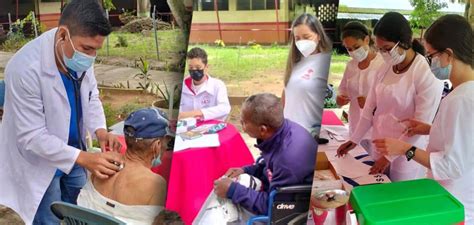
(211, 99)
(452, 146)
(35, 126)
(415, 94)
(355, 83)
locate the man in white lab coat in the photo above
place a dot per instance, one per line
(51, 100)
(203, 96)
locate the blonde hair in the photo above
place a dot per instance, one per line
(294, 56)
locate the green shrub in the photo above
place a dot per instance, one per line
(14, 43)
(121, 42)
(330, 104)
(110, 114)
(125, 110)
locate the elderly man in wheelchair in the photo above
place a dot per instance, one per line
(286, 168)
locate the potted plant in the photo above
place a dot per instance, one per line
(170, 98)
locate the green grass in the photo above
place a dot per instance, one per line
(338, 63)
(239, 63)
(14, 44)
(233, 64)
(170, 42)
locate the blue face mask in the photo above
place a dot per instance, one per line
(156, 161)
(79, 62)
(441, 73)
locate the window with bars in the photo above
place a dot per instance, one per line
(208, 5)
(256, 4)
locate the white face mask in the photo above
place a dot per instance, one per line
(393, 57)
(359, 54)
(306, 47)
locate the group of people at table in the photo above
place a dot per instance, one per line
(412, 101)
(284, 129)
(416, 126)
(51, 100)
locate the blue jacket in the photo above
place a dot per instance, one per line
(289, 158)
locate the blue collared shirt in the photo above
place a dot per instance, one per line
(74, 98)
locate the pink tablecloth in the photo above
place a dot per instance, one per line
(193, 171)
(330, 118)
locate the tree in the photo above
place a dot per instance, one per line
(109, 5)
(468, 10)
(425, 12)
(182, 12)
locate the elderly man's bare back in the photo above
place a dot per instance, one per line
(135, 184)
(134, 195)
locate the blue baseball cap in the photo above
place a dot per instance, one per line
(2, 92)
(147, 123)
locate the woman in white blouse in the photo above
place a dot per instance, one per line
(360, 74)
(449, 156)
(406, 89)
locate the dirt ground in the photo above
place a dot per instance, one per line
(120, 99)
(169, 64)
(266, 81)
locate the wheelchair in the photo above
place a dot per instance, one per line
(286, 205)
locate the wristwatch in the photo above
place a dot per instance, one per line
(410, 153)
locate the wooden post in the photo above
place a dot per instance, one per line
(10, 22)
(108, 42)
(218, 19)
(155, 28)
(17, 10)
(277, 21)
(34, 25)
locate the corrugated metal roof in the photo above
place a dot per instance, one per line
(363, 16)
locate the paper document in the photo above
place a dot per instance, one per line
(339, 133)
(350, 167)
(207, 140)
(372, 179)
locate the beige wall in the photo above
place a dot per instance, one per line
(49, 7)
(232, 15)
(242, 26)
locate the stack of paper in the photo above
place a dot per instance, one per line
(350, 167)
(338, 133)
(206, 140)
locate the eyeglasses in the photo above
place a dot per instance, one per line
(429, 57)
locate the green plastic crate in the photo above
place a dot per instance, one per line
(420, 202)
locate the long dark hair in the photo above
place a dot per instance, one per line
(357, 30)
(324, 44)
(394, 27)
(454, 32)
